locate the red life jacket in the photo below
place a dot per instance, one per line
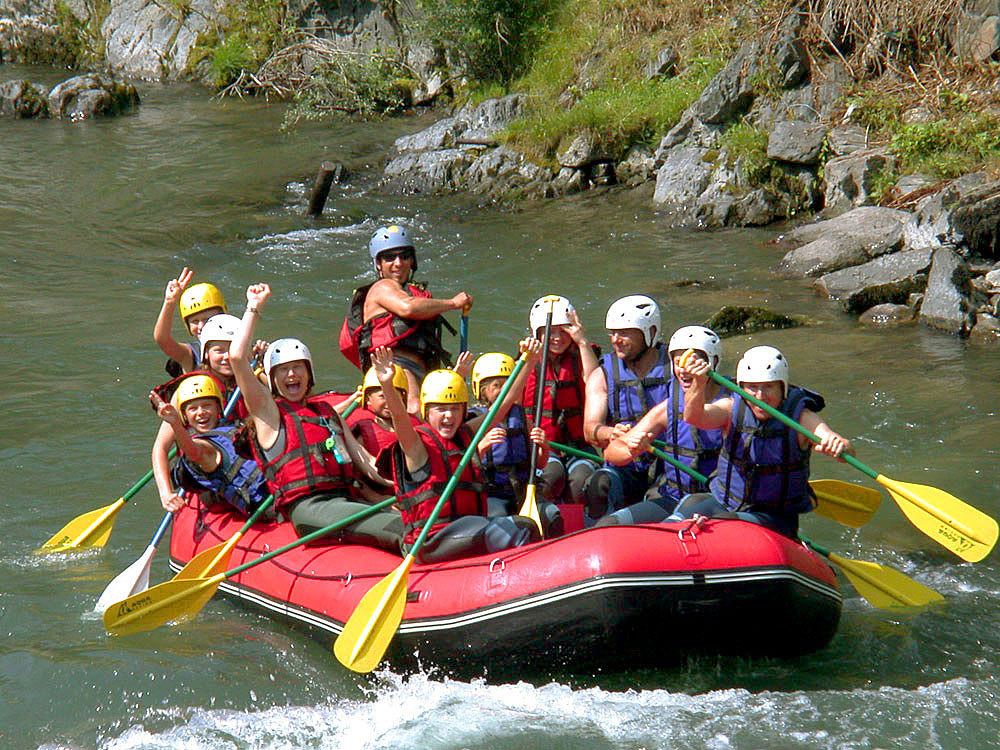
(373, 436)
(307, 467)
(562, 399)
(358, 337)
(443, 457)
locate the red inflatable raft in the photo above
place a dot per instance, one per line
(607, 598)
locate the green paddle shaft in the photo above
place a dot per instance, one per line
(453, 481)
(786, 420)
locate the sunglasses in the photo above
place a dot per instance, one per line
(390, 255)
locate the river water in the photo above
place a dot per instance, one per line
(95, 217)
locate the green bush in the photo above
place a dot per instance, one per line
(493, 39)
(948, 148)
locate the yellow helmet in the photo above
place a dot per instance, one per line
(197, 386)
(442, 387)
(201, 297)
(492, 365)
(398, 380)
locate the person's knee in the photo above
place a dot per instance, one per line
(578, 476)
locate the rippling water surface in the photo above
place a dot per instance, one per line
(95, 217)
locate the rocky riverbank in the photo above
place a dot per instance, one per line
(915, 248)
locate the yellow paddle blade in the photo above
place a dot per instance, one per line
(885, 587)
(845, 502)
(88, 530)
(370, 628)
(172, 601)
(530, 507)
(208, 562)
(955, 525)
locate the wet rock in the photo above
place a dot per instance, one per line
(91, 95)
(21, 100)
(730, 93)
(849, 178)
(664, 64)
(886, 315)
(428, 172)
(691, 132)
(930, 226)
(440, 135)
(946, 299)
(484, 121)
(569, 181)
(603, 173)
(796, 142)
(986, 328)
(854, 237)
(889, 278)
(734, 320)
(846, 139)
(683, 177)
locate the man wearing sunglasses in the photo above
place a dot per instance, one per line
(400, 314)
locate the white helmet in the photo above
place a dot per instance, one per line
(286, 350)
(221, 327)
(763, 364)
(561, 311)
(635, 311)
(700, 339)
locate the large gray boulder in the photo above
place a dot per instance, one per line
(91, 95)
(154, 40)
(976, 216)
(731, 92)
(796, 142)
(946, 300)
(890, 278)
(849, 179)
(684, 176)
(852, 238)
(428, 171)
(931, 225)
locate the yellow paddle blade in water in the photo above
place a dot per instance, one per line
(845, 502)
(88, 530)
(172, 601)
(371, 626)
(885, 587)
(952, 523)
(208, 562)
(530, 507)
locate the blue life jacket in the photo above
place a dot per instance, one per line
(761, 466)
(630, 397)
(698, 449)
(509, 461)
(236, 480)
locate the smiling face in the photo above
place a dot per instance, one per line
(770, 393)
(196, 321)
(291, 380)
(445, 419)
(396, 264)
(202, 413)
(683, 378)
(628, 343)
(217, 358)
(559, 339)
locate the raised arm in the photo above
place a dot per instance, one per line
(533, 347)
(200, 452)
(162, 333)
(587, 356)
(387, 295)
(361, 457)
(257, 396)
(409, 441)
(705, 416)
